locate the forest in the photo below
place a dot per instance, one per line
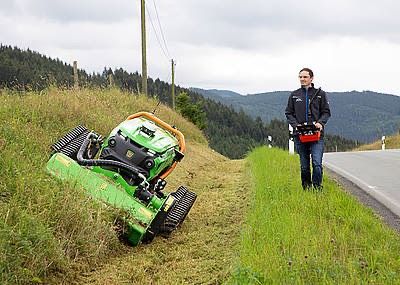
(230, 132)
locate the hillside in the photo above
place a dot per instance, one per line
(391, 142)
(229, 132)
(363, 116)
(26, 70)
(215, 93)
(52, 233)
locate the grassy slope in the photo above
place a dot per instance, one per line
(297, 237)
(390, 143)
(53, 233)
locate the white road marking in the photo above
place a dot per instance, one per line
(372, 190)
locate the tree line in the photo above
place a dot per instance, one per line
(231, 133)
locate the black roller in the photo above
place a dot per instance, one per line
(71, 142)
(184, 200)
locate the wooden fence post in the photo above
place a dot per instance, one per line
(76, 80)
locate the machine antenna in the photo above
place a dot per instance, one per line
(155, 109)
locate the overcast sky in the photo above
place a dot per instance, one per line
(249, 46)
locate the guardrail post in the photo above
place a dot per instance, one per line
(291, 140)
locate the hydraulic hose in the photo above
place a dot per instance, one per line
(104, 162)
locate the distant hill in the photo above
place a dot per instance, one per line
(363, 116)
(211, 93)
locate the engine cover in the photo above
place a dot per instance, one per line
(142, 144)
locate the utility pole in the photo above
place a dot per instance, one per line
(173, 83)
(144, 63)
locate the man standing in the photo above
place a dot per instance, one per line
(308, 105)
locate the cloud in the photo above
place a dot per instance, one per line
(71, 35)
(243, 25)
(246, 46)
(71, 11)
(251, 24)
(340, 64)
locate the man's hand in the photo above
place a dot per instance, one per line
(319, 126)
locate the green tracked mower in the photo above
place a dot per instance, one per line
(127, 170)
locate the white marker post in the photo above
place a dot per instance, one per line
(383, 142)
(291, 140)
(269, 141)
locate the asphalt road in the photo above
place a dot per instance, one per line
(375, 172)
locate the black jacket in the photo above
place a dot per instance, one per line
(318, 107)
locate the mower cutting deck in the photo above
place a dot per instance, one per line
(127, 170)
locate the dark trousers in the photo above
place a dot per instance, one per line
(316, 151)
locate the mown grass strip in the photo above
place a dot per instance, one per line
(297, 237)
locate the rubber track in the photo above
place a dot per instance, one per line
(70, 143)
(184, 202)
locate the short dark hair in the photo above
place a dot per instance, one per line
(310, 72)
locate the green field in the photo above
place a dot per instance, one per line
(301, 237)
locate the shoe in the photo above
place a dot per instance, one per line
(318, 188)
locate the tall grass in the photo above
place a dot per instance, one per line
(296, 237)
(49, 228)
(391, 142)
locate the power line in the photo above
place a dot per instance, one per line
(164, 48)
(155, 32)
(161, 30)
